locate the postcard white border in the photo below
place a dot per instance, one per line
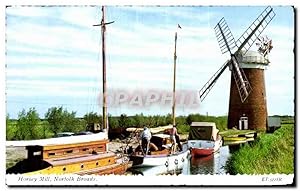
(190, 180)
(132, 180)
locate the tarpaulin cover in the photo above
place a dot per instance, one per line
(203, 132)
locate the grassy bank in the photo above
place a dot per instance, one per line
(270, 154)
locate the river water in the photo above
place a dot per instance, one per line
(213, 164)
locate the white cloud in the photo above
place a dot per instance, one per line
(44, 62)
(51, 72)
(176, 12)
(27, 11)
(51, 38)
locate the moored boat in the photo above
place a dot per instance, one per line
(204, 139)
(70, 157)
(159, 153)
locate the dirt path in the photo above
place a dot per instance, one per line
(14, 155)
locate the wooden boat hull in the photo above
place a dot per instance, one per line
(102, 163)
(160, 159)
(200, 148)
(198, 152)
(159, 170)
(116, 169)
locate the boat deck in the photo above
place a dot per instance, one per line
(79, 158)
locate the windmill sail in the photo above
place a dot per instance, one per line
(212, 81)
(254, 30)
(224, 37)
(227, 44)
(241, 80)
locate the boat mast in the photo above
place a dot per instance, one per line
(104, 107)
(174, 80)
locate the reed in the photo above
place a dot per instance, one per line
(269, 154)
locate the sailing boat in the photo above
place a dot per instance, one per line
(85, 154)
(160, 153)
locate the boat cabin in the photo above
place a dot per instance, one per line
(65, 150)
(203, 131)
(78, 158)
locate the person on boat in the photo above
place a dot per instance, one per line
(174, 139)
(178, 142)
(145, 140)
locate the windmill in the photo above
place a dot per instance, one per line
(245, 82)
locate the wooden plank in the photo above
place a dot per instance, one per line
(56, 151)
(80, 159)
(73, 145)
(152, 130)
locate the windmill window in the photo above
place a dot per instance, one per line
(69, 151)
(51, 154)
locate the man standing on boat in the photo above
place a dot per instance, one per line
(145, 139)
(175, 139)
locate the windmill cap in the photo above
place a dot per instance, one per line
(254, 57)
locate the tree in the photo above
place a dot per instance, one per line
(123, 121)
(168, 119)
(112, 122)
(194, 118)
(139, 120)
(181, 120)
(150, 121)
(10, 129)
(92, 117)
(55, 119)
(27, 123)
(7, 121)
(71, 124)
(60, 119)
(131, 122)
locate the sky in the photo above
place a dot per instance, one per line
(53, 56)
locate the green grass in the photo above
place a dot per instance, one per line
(270, 154)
